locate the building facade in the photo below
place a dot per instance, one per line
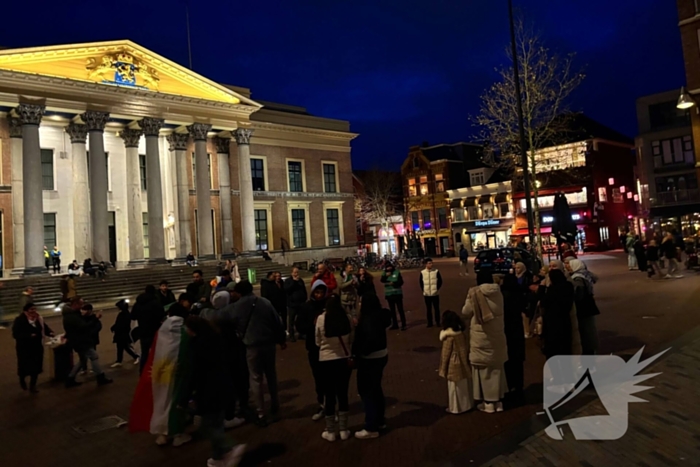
(101, 145)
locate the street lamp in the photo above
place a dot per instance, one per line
(685, 100)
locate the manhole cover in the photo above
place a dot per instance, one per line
(101, 424)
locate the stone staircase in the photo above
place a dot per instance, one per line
(125, 283)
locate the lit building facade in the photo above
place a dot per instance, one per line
(101, 149)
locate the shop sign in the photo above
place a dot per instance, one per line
(488, 223)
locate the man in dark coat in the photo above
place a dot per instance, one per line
(274, 291)
(165, 295)
(28, 331)
(295, 290)
(80, 335)
(199, 290)
(515, 303)
(122, 334)
(148, 312)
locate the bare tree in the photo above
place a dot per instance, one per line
(546, 82)
(381, 200)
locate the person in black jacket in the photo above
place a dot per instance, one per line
(28, 331)
(306, 324)
(122, 334)
(209, 386)
(514, 304)
(165, 295)
(274, 291)
(365, 282)
(370, 347)
(149, 314)
(556, 315)
(80, 335)
(295, 289)
(653, 266)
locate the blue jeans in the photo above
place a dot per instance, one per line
(212, 428)
(369, 385)
(84, 356)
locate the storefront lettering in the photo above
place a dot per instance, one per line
(487, 223)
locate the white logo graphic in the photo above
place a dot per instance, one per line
(607, 376)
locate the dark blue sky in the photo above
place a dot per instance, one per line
(402, 71)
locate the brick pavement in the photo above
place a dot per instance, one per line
(36, 430)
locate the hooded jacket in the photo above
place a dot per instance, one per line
(148, 312)
(487, 341)
(309, 312)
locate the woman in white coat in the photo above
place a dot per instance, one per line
(483, 313)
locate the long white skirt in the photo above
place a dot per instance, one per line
(459, 395)
(489, 383)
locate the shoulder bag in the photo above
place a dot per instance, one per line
(351, 361)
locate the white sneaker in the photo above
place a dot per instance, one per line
(137, 361)
(318, 415)
(499, 406)
(234, 456)
(179, 440)
(487, 407)
(2, 327)
(235, 422)
(668, 276)
(161, 440)
(364, 434)
(678, 276)
(328, 436)
(345, 435)
(115, 365)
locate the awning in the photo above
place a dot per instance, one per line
(501, 198)
(544, 230)
(455, 204)
(470, 202)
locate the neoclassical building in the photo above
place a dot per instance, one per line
(102, 144)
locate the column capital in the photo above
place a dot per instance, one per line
(15, 127)
(131, 137)
(178, 141)
(242, 135)
(77, 132)
(223, 145)
(151, 126)
(30, 114)
(95, 120)
(199, 131)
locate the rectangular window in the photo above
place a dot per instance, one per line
(412, 191)
(295, 179)
(49, 229)
(673, 151)
(333, 221)
(299, 228)
(503, 209)
(194, 171)
(329, 180)
(261, 229)
(442, 218)
(473, 212)
(414, 220)
(427, 224)
(602, 194)
(257, 169)
(47, 181)
(477, 179)
(144, 222)
(142, 170)
(424, 189)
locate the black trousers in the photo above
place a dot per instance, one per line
(336, 380)
(125, 346)
(434, 303)
(515, 375)
(240, 403)
(56, 264)
(369, 385)
(396, 303)
(318, 376)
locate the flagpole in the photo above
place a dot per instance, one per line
(189, 41)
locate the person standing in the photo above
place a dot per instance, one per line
(334, 339)
(365, 283)
(454, 364)
(306, 324)
(525, 280)
(640, 254)
(670, 252)
(393, 281)
(295, 290)
(273, 290)
(586, 307)
(26, 297)
(369, 345)
(68, 289)
(199, 289)
(80, 335)
(488, 351)
(165, 295)
(47, 259)
(29, 331)
(327, 277)
(515, 302)
(463, 261)
(556, 305)
(430, 284)
(149, 314)
(261, 330)
(348, 291)
(56, 259)
(122, 334)
(629, 247)
(653, 259)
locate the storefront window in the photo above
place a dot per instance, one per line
(580, 197)
(427, 224)
(442, 218)
(414, 220)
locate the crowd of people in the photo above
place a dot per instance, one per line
(649, 257)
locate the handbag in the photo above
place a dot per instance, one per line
(351, 361)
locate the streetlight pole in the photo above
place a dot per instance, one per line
(521, 127)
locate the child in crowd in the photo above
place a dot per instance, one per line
(454, 364)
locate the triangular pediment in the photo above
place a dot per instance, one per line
(118, 63)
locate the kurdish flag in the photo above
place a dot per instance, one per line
(163, 382)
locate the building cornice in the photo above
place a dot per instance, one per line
(295, 195)
(490, 188)
(279, 128)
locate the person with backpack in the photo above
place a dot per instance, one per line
(393, 281)
(122, 334)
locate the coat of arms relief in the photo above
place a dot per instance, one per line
(122, 69)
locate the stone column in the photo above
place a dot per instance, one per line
(178, 148)
(242, 136)
(99, 214)
(223, 146)
(81, 191)
(131, 139)
(205, 235)
(32, 191)
(156, 237)
(17, 194)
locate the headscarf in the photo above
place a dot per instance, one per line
(482, 310)
(579, 269)
(520, 269)
(220, 299)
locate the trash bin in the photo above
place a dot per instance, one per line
(252, 276)
(60, 361)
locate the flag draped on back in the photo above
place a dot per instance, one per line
(163, 382)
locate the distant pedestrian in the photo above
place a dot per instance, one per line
(348, 291)
(369, 345)
(483, 310)
(430, 283)
(29, 331)
(640, 254)
(199, 290)
(74, 268)
(68, 289)
(629, 247)
(670, 252)
(122, 334)
(56, 259)
(463, 261)
(190, 260)
(47, 259)
(306, 324)
(334, 339)
(515, 302)
(393, 281)
(295, 289)
(653, 266)
(567, 251)
(365, 282)
(454, 364)
(526, 280)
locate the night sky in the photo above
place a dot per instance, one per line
(401, 71)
